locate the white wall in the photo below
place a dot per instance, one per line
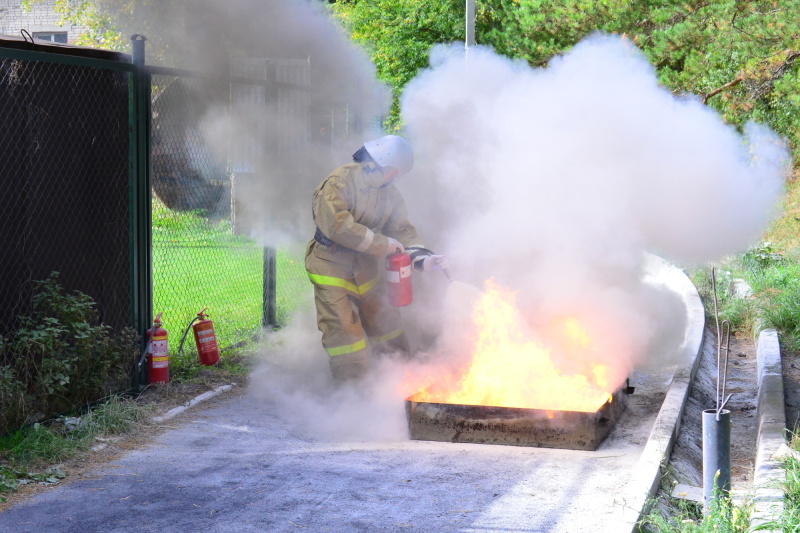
(40, 18)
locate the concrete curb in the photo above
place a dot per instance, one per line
(769, 474)
(191, 403)
(643, 485)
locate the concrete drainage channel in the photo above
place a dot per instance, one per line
(766, 494)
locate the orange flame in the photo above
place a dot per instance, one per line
(510, 367)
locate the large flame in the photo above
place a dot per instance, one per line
(511, 367)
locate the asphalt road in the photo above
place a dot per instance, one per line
(293, 456)
(241, 465)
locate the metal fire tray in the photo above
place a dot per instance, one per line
(512, 426)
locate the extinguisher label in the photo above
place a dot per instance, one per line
(405, 271)
(160, 362)
(393, 276)
(159, 348)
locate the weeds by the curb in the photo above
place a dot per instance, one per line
(28, 455)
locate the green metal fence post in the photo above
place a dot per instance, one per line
(270, 271)
(141, 210)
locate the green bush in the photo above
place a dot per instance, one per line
(60, 357)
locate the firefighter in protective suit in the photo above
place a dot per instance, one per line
(361, 218)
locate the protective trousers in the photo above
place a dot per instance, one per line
(356, 213)
(356, 319)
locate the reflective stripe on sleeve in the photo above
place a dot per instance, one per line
(343, 283)
(368, 238)
(350, 348)
(386, 338)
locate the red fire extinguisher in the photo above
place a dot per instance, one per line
(157, 353)
(398, 279)
(204, 338)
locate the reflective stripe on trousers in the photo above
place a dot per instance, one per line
(343, 283)
(387, 337)
(350, 348)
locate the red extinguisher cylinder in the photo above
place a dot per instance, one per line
(157, 353)
(206, 341)
(398, 279)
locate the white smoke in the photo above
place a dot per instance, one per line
(295, 379)
(278, 142)
(554, 181)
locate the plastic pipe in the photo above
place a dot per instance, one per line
(716, 455)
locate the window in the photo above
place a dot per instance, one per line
(52, 36)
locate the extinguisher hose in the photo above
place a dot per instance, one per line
(180, 347)
(447, 275)
(144, 354)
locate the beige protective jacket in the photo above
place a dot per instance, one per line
(356, 213)
(352, 208)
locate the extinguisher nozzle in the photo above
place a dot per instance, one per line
(447, 274)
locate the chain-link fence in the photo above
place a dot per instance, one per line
(68, 172)
(205, 253)
(65, 194)
(97, 148)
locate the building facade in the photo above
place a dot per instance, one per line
(40, 20)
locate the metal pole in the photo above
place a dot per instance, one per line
(141, 215)
(269, 289)
(716, 455)
(470, 22)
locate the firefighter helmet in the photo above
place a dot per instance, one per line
(391, 151)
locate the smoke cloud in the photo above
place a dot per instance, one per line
(295, 379)
(554, 181)
(279, 142)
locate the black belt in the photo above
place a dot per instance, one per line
(334, 247)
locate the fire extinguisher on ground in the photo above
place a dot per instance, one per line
(157, 353)
(205, 339)
(398, 279)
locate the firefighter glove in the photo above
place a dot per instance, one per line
(394, 246)
(432, 262)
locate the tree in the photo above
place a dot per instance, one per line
(399, 34)
(101, 31)
(739, 56)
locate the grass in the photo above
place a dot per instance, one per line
(687, 517)
(789, 521)
(27, 454)
(198, 263)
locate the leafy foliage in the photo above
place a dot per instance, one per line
(60, 357)
(399, 35)
(740, 56)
